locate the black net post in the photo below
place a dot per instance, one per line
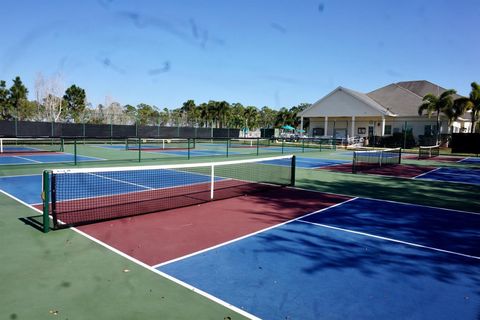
(75, 151)
(188, 149)
(53, 198)
(258, 145)
(46, 200)
(354, 162)
(292, 175)
(228, 142)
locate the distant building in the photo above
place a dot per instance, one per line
(345, 113)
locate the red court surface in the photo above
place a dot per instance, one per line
(163, 236)
(401, 170)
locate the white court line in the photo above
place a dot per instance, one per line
(390, 239)
(27, 159)
(390, 201)
(425, 173)
(146, 266)
(248, 235)
(121, 181)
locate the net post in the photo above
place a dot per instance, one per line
(53, 198)
(228, 141)
(139, 149)
(46, 200)
(303, 145)
(292, 174)
(354, 162)
(212, 182)
(283, 143)
(62, 144)
(188, 149)
(75, 151)
(258, 145)
(399, 155)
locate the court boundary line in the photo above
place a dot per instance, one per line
(150, 268)
(249, 235)
(390, 239)
(425, 173)
(31, 160)
(391, 201)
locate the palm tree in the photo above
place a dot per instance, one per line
(438, 105)
(472, 104)
(204, 114)
(188, 111)
(223, 109)
(251, 115)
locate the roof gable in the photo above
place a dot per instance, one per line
(343, 102)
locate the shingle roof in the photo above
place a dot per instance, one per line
(404, 98)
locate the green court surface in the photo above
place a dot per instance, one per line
(65, 275)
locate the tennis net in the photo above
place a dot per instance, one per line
(425, 152)
(364, 160)
(80, 196)
(30, 145)
(154, 144)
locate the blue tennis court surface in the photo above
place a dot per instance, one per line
(471, 161)
(43, 158)
(363, 259)
(458, 175)
(308, 163)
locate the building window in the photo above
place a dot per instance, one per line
(388, 129)
(429, 130)
(318, 131)
(396, 130)
(362, 130)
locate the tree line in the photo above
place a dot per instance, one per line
(51, 103)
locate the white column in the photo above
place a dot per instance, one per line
(383, 126)
(353, 127)
(301, 124)
(325, 127)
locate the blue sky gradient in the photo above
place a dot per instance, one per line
(277, 53)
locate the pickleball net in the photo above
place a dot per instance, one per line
(158, 144)
(30, 145)
(369, 159)
(426, 152)
(80, 196)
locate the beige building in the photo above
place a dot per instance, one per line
(345, 113)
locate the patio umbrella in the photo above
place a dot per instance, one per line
(287, 127)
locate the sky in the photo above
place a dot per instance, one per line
(276, 53)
